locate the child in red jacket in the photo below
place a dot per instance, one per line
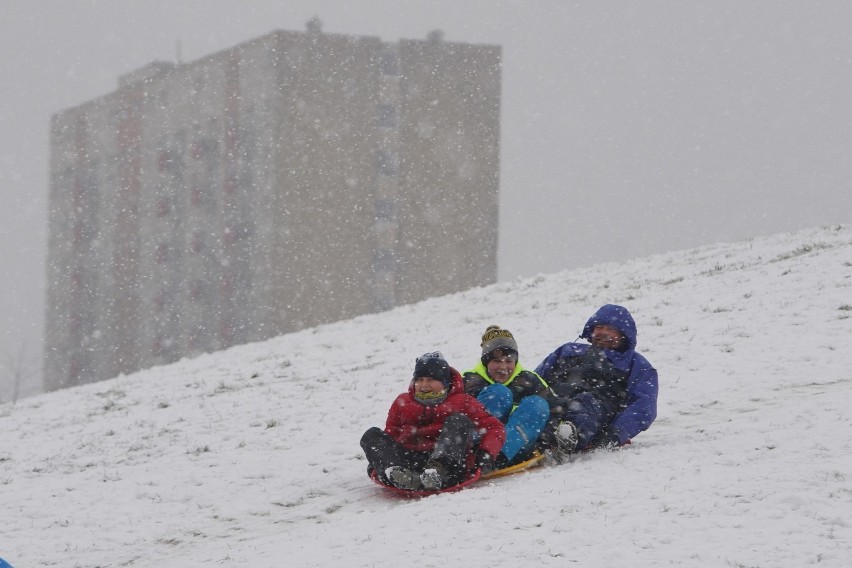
(435, 434)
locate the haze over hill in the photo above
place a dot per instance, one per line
(250, 457)
(701, 121)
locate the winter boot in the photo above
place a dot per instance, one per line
(403, 478)
(566, 440)
(435, 476)
(501, 462)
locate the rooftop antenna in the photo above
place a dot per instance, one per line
(435, 36)
(314, 25)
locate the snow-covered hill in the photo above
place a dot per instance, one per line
(250, 457)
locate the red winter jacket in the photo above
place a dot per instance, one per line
(416, 425)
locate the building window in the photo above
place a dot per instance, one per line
(196, 245)
(386, 116)
(160, 300)
(196, 195)
(388, 63)
(163, 207)
(197, 337)
(383, 260)
(161, 253)
(226, 284)
(169, 161)
(164, 160)
(384, 210)
(159, 345)
(203, 147)
(386, 163)
(196, 149)
(75, 324)
(196, 290)
(77, 233)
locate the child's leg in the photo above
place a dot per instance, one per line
(453, 446)
(524, 426)
(588, 414)
(382, 452)
(497, 400)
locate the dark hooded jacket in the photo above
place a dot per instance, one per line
(622, 379)
(416, 426)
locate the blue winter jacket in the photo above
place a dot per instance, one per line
(640, 408)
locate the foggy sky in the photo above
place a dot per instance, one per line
(627, 128)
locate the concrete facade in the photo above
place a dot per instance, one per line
(293, 180)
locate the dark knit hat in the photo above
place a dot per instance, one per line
(433, 365)
(497, 338)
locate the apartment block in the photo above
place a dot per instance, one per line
(293, 180)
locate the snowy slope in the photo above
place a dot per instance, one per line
(250, 457)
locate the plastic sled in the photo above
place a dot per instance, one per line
(524, 465)
(425, 492)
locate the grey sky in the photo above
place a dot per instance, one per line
(628, 128)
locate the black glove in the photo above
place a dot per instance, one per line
(484, 461)
(546, 439)
(609, 438)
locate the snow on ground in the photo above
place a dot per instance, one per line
(250, 457)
